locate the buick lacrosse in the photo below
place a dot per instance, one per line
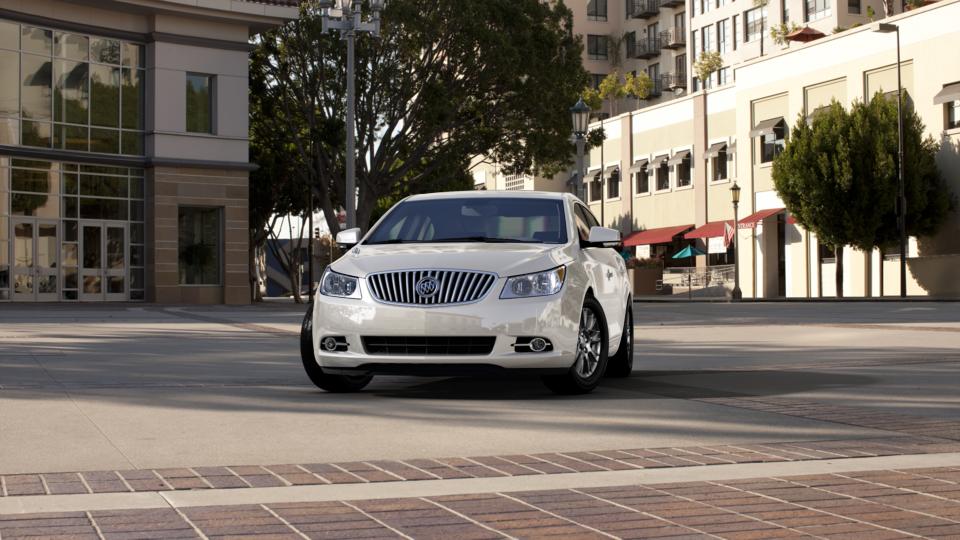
(465, 283)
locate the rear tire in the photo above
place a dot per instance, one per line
(591, 356)
(325, 381)
(621, 364)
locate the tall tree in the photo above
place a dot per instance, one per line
(838, 176)
(445, 81)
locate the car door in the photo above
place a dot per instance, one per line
(607, 269)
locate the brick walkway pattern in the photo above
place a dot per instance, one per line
(876, 505)
(248, 476)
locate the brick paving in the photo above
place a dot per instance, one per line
(252, 476)
(884, 504)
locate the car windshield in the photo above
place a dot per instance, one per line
(488, 219)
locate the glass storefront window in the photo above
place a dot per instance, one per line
(59, 84)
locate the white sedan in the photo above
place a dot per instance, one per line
(474, 282)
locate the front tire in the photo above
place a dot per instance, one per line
(325, 381)
(591, 356)
(621, 364)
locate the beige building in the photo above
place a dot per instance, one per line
(666, 170)
(123, 148)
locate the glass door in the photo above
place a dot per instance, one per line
(35, 264)
(103, 261)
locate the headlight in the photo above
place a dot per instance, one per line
(334, 284)
(539, 284)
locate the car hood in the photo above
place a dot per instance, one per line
(502, 259)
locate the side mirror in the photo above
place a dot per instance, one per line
(348, 238)
(603, 237)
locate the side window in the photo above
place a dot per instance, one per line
(591, 219)
(583, 230)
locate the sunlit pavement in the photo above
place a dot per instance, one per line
(100, 403)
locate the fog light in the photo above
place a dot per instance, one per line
(538, 344)
(330, 343)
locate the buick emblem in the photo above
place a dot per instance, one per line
(427, 287)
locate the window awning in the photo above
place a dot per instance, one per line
(655, 236)
(710, 230)
(750, 222)
(714, 150)
(766, 127)
(950, 92)
(638, 165)
(608, 172)
(679, 157)
(657, 161)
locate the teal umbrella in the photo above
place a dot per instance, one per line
(688, 251)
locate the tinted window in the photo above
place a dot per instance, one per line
(491, 219)
(583, 230)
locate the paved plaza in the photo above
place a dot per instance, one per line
(756, 420)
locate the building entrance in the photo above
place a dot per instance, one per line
(35, 262)
(103, 261)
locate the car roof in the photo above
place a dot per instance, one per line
(491, 194)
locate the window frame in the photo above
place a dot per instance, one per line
(211, 103)
(771, 145)
(662, 172)
(687, 162)
(951, 115)
(613, 184)
(595, 185)
(753, 30)
(641, 178)
(595, 42)
(814, 10)
(596, 15)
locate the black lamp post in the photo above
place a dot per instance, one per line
(888, 28)
(736, 295)
(580, 114)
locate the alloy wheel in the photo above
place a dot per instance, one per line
(588, 344)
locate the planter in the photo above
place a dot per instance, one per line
(645, 280)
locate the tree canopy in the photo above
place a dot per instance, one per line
(444, 82)
(837, 176)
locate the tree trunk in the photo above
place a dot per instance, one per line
(296, 279)
(838, 253)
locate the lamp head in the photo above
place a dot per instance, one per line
(885, 28)
(580, 114)
(377, 5)
(735, 193)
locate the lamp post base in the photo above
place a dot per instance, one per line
(736, 295)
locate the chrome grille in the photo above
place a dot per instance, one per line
(452, 287)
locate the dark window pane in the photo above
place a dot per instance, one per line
(131, 143)
(37, 40)
(36, 87)
(106, 141)
(136, 188)
(72, 46)
(136, 256)
(71, 137)
(70, 184)
(69, 295)
(103, 186)
(133, 55)
(69, 231)
(70, 207)
(69, 256)
(32, 204)
(9, 35)
(199, 103)
(115, 285)
(136, 233)
(31, 181)
(105, 51)
(97, 169)
(199, 246)
(72, 96)
(9, 85)
(36, 134)
(136, 295)
(103, 209)
(70, 274)
(91, 247)
(105, 96)
(136, 210)
(132, 98)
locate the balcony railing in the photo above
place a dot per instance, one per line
(671, 3)
(657, 89)
(672, 81)
(644, 9)
(647, 48)
(674, 38)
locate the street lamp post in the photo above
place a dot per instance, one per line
(348, 24)
(736, 295)
(888, 28)
(580, 114)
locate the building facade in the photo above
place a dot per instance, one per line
(664, 173)
(124, 149)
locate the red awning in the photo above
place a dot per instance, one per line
(750, 222)
(710, 230)
(655, 236)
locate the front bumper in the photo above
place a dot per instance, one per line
(555, 318)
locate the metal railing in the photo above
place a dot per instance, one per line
(647, 48)
(671, 81)
(673, 38)
(644, 9)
